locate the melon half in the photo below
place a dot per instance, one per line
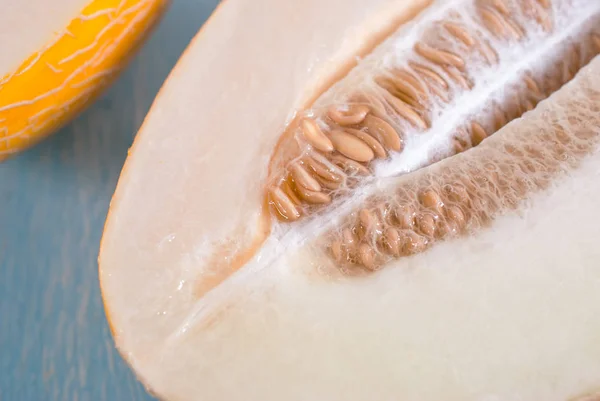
(367, 200)
(58, 55)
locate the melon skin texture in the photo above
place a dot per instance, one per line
(509, 313)
(58, 58)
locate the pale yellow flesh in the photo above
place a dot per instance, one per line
(26, 26)
(511, 314)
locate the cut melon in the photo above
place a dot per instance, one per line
(295, 222)
(57, 56)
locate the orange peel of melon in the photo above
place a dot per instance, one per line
(65, 75)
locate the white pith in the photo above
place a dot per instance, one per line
(511, 314)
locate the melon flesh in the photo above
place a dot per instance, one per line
(510, 313)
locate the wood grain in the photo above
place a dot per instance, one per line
(54, 340)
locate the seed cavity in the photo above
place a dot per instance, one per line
(402, 97)
(463, 196)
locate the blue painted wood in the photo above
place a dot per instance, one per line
(54, 340)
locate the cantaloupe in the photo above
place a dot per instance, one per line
(57, 56)
(367, 200)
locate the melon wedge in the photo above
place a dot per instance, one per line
(213, 292)
(57, 56)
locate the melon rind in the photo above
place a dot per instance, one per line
(59, 80)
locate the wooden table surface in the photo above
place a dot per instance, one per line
(54, 340)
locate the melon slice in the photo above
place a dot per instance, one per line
(295, 222)
(58, 55)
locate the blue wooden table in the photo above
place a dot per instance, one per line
(54, 340)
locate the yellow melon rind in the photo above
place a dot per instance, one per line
(58, 81)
